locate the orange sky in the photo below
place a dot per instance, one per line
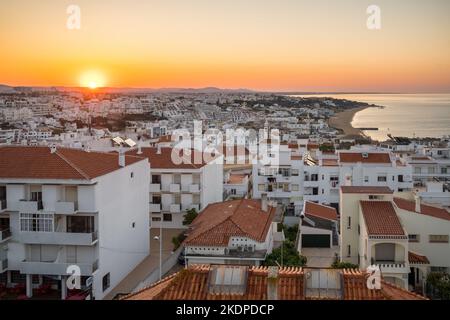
(267, 45)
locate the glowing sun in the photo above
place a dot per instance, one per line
(92, 80)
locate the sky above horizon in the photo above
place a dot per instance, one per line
(276, 45)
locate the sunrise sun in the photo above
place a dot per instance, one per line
(92, 79)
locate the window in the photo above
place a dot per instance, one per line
(417, 170)
(349, 251)
(156, 219)
(315, 191)
(295, 187)
(156, 179)
(359, 229)
(167, 217)
(334, 178)
(439, 238)
(314, 177)
(323, 191)
(80, 224)
(132, 175)
(233, 191)
(374, 197)
(133, 225)
(36, 222)
(106, 281)
(323, 177)
(261, 187)
(414, 238)
(382, 178)
(349, 222)
(294, 172)
(430, 169)
(444, 170)
(366, 178)
(400, 178)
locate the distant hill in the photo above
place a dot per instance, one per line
(9, 89)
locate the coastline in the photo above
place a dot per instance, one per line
(343, 121)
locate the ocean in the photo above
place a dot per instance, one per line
(407, 115)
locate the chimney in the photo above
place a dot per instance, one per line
(53, 149)
(264, 204)
(272, 283)
(121, 158)
(139, 151)
(418, 204)
(158, 151)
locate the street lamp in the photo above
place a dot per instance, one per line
(159, 238)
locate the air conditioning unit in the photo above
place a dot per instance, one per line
(365, 155)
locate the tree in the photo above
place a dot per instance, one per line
(342, 265)
(439, 281)
(178, 240)
(291, 258)
(190, 216)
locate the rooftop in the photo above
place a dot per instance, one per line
(381, 219)
(320, 211)
(218, 222)
(353, 157)
(19, 162)
(194, 283)
(366, 190)
(425, 209)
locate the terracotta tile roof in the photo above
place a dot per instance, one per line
(320, 211)
(329, 162)
(355, 288)
(381, 219)
(417, 258)
(312, 146)
(219, 221)
(40, 163)
(236, 178)
(352, 157)
(293, 157)
(427, 210)
(163, 160)
(368, 190)
(192, 284)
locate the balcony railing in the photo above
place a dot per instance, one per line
(56, 267)
(174, 208)
(5, 234)
(59, 238)
(155, 187)
(28, 206)
(194, 188)
(155, 207)
(174, 188)
(63, 207)
(391, 266)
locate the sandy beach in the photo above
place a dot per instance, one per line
(343, 120)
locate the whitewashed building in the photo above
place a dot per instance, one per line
(67, 207)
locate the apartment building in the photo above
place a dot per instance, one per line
(178, 187)
(359, 168)
(67, 207)
(232, 232)
(282, 182)
(405, 238)
(431, 164)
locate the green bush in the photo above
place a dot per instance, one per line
(178, 240)
(189, 216)
(291, 258)
(344, 265)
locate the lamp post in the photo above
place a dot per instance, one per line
(159, 238)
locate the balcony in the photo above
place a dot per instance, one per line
(3, 205)
(174, 188)
(155, 187)
(392, 267)
(5, 234)
(55, 267)
(155, 207)
(27, 206)
(194, 188)
(59, 238)
(174, 208)
(62, 207)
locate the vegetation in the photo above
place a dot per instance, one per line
(343, 265)
(190, 216)
(290, 232)
(178, 240)
(439, 283)
(287, 256)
